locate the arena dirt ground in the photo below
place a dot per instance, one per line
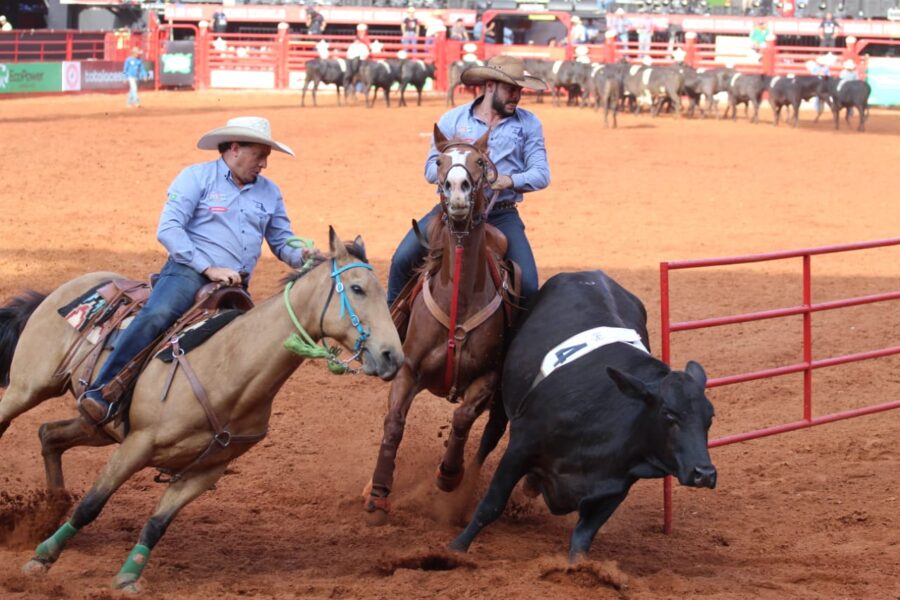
(810, 514)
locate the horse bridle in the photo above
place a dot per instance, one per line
(307, 347)
(484, 177)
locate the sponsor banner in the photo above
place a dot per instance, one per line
(108, 75)
(883, 75)
(257, 80)
(71, 76)
(176, 64)
(23, 78)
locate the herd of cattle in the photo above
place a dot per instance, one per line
(615, 87)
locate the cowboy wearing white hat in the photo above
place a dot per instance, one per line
(216, 217)
(516, 147)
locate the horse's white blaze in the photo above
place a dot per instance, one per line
(457, 200)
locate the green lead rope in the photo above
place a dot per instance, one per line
(303, 344)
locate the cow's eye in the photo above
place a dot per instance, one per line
(670, 417)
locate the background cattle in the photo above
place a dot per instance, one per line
(569, 75)
(608, 90)
(454, 77)
(337, 72)
(791, 91)
(700, 85)
(590, 410)
(849, 95)
(375, 74)
(415, 73)
(748, 90)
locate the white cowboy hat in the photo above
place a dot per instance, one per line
(361, 27)
(411, 10)
(678, 55)
(507, 69)
(620, 11)
(827, 59)
(576, 19)
(243, 129)
(849, 64)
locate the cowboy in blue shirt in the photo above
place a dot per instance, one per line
(134, 70)
(215, 220)
(516, 147)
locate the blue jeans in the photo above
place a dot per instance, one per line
(172, 295)
(410, 253)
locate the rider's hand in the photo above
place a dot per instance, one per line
(312, 254)
(503, 182)
(223, 275)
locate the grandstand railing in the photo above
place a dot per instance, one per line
(808, 364)
(48, 45)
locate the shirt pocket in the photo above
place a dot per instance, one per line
(506, 143)
(260, 217)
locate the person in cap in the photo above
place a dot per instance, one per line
(134, 71)
(848, 73)
(409, 28)
(5, 25)
(215, 219)
(315, 20)
(578, 33)
(516, 147)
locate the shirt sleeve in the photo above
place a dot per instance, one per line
(278, 232)
(184, 196)
(536, 175)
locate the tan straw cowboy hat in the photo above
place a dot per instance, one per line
(507, 69)
(243, 129)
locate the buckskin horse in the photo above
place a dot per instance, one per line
(193, 439)
(456, 328)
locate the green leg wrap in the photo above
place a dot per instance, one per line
(134, 564)
(49, 549)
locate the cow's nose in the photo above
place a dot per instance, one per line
(704, 476)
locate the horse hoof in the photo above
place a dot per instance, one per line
(447, 482)
(377, 518)
(35, 568)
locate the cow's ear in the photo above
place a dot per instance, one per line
(630, 385)
(696, 372)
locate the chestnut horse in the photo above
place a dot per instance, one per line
(455, 338)
(239, 371)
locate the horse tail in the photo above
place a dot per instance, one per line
(13, 316)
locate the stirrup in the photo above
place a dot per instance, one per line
(112, 409)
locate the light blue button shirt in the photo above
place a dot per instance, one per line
(516, 147)
(208, 221)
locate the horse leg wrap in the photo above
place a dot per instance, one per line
(49, 550)
(134, 565)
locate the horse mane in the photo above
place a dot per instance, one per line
(353, 249)
(13, 317)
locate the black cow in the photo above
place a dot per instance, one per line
(539, 68)
(375, 74)
(705, 84)
(849, 95)
(415, 73)
(746, 89)
(608, 90)
(572, 76)
(454, 75)
(588, 420)
(791, 91)
(337, 72)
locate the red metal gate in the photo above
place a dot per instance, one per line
(806, 309)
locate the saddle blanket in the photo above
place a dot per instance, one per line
(80, 312)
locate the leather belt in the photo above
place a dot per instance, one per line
(506, 205)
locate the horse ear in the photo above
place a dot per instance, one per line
(440, 140)
(334, 242)
(360, 244)
(482, 142)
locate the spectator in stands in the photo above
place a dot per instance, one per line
(410, 28)
(621, 24)
(458, 31)
(216, 217)
(828, 30)
(134, 71)
(645, 35)
(435, 26)
(219, 21)
(759, 35)
(359, 48)
(315, 21)
(4, 24)
(578, 34)
(519, 154)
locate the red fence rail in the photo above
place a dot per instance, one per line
(807, 366)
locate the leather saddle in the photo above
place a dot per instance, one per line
(505, 274)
